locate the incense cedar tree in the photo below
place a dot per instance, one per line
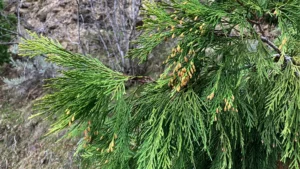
(229, 96)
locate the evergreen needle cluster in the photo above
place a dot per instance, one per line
(229, 96)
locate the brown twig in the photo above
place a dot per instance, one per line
(261, 30)
(271, 44)
(8, 43)
(241, 3)
(265, 40)
(253, 22)
(277, 50)
(143, 79)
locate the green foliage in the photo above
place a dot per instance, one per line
(228, 98)
(8, 24)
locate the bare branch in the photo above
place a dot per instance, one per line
(8, 43)
(78, 25)
(19, 20)
(12, 32)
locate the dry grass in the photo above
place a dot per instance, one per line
(21, 145)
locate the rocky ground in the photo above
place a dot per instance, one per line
(22, 144)
(21, 139)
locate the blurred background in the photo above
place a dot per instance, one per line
(104, 29)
